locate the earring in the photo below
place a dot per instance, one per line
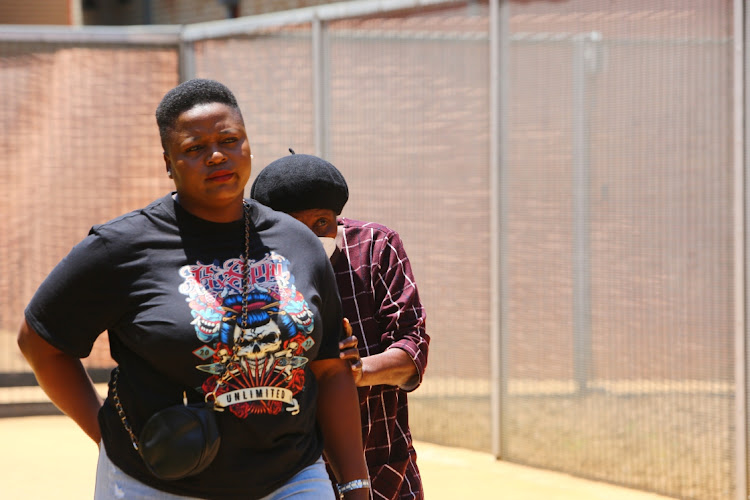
(169, 173)
(252, 156)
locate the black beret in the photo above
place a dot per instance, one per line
(300, 182)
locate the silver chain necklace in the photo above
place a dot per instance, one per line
(245, 257)
(245, 292)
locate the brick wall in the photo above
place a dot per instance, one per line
(35, 12)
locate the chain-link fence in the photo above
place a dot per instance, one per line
(618, 271)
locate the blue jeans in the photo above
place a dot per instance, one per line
(311, 483)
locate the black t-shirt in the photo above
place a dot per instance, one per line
(167, 286)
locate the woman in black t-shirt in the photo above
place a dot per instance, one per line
(206, 295)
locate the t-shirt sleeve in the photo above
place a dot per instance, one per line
(331, 314)
(400, 315)
(78, 300)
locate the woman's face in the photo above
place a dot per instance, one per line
(208, 155)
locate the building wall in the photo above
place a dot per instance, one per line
(36, 12)
(135, 12)
(127, 12)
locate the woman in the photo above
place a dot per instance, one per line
(204, 296)
(389, 348)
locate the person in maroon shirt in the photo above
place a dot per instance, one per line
(389, 346)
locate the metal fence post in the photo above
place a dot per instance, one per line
(321, 85)
(186, 65)
(499, 51)
(740, 111)
(584, 62)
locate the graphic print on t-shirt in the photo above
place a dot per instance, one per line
(254, 348)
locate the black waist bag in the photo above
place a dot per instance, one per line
(180, 441)
(176, 442)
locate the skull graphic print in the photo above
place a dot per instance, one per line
(255, 352)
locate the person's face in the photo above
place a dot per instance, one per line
(322, 221)
(208, 155)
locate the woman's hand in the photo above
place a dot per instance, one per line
(350, 353)
(391, 367)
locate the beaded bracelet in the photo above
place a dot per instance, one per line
(352, 485)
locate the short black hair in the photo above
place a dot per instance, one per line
(186, 96)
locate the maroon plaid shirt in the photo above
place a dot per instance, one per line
(380, 299)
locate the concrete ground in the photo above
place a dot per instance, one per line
(50, 458)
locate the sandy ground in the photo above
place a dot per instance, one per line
(49, 457)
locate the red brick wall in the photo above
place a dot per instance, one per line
(35, 12)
